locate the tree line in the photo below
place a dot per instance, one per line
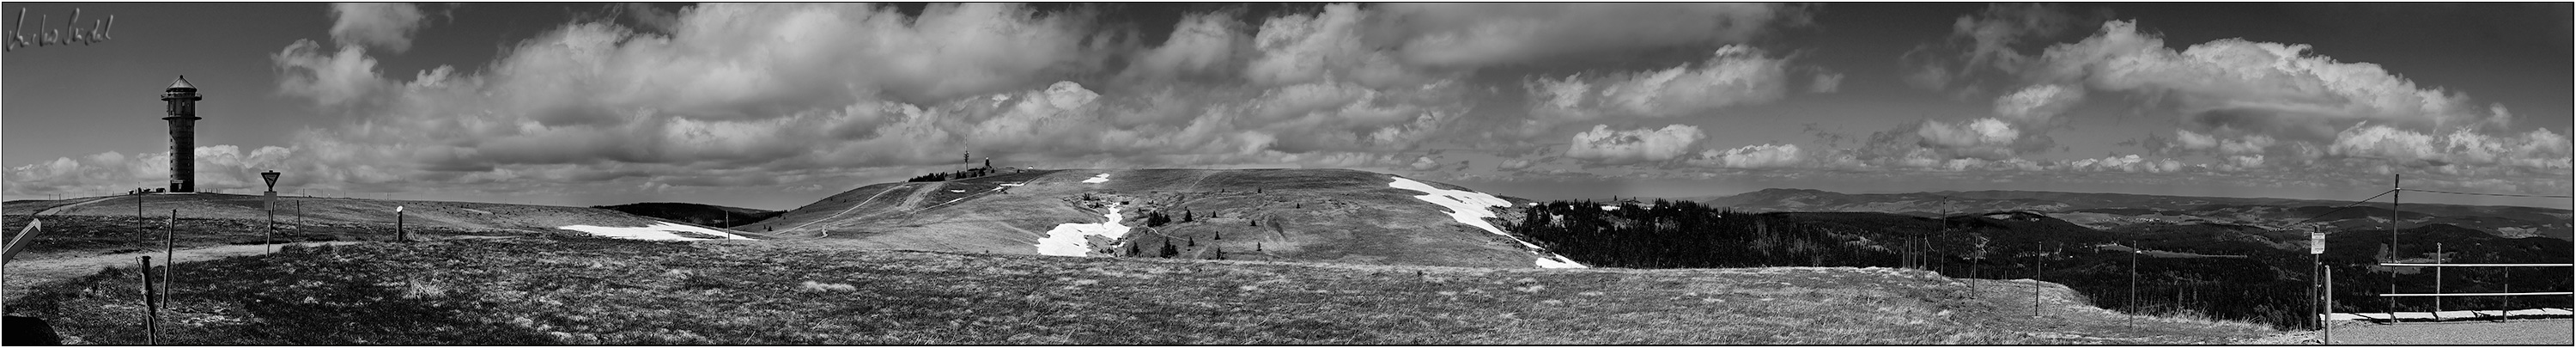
(2260, 284)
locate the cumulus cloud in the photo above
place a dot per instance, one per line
(1483, 34)
(1202, 43)
(1752, 156)
(385, 25)
(2539, 150)
(1826, 83)
(2037, 104)
(1983, 143)
(2260, 86)
(1985, 42)
(1732, 76)
(333, 78)
(220, 167)
(2129, 163)
(1305, 48)
(737, 89)
(1631, 146)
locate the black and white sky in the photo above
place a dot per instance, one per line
(772, 106)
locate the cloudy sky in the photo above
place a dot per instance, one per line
(775, 105)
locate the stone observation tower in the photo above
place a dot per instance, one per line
(183, 134)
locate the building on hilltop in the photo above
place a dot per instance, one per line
(182, 99)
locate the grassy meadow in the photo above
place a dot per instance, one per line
(559, 290)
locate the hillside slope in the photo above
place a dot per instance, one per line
(1328, 215)
(316, 213)
(524, 291)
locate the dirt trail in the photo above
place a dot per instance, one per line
(918, 194)
(27, 272)
(30, 270)
(853, 207)
(60, 209)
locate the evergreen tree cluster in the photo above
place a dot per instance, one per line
(1683, 234)
(946, 176)
(2250, 282)
(1157, 219)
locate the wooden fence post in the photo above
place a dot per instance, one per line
(151, 309)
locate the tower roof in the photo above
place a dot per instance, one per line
(182, 83)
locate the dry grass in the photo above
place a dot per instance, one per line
(1342, 216)
(595, 291)
(354, 213)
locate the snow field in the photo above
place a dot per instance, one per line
(658, 231)
(1468, 207)
(1103, 177)
(1075, 239)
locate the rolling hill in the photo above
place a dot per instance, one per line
(702, 214)
(2111, 210)
(588, 291)
(1326, 215)
(228, 219)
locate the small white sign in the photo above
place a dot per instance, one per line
(2316, 243)
(397, 209)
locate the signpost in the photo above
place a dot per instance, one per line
(268, 203)
(398, 225)
(2316, 256)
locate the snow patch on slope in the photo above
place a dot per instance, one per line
(658, 231)
(1103, 177)
(1076, 239)
(1469, 207)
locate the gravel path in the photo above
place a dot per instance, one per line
(2550, 332)
(28, 271)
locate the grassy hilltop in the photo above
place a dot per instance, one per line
(1328, 215)
(596, 291)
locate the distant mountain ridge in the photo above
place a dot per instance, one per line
(702, 214)
(2115, 210)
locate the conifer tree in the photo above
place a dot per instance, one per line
(1168, 250)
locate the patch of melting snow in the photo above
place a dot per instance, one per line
(1609, 208)
(1075, 239)
(1103, 177)
(1469, 207)
(658, 231)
